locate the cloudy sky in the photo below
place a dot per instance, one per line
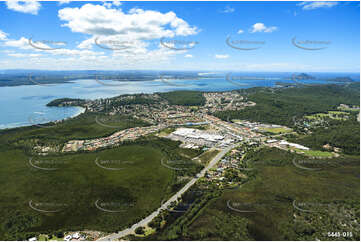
(237, 36)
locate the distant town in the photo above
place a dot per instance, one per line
(193, 126)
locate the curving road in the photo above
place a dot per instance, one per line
(145, 221)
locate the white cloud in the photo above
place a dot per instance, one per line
(80, 53)
(117, 3)
(29, 6)
(315, 5)
(136, 56)
(87, 44)
(107, 4)
(3, 35)
(22, 55)
(240, 31)
(64, 1)
(22, 43)
(136, 24)
(217, 56)
(134, 30)
(260, 27)
(25, 44)
(139, 29)
(228, 9)
(271, 29)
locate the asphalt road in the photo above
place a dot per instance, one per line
(145, 221)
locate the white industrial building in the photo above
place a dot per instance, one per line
(197, 134)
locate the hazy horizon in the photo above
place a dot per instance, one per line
(232, 36)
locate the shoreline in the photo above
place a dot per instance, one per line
(4, 127)
(81, 110)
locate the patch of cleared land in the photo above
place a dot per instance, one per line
(338, 115)
(280, 130)
(316, 153)
(207, 156)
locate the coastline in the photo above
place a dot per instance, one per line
(223, 88)
(3, 127)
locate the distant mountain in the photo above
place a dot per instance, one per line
(303, 76)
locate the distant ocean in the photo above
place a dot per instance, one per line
(26, 105)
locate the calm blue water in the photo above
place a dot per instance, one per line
(26, 105)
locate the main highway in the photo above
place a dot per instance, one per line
(175, 197)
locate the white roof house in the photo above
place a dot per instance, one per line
(76, 235)
(271, 140)
(68, 237)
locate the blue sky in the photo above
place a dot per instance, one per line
(123, 35)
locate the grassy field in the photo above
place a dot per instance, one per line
(277, 130)
(166, 132)
(337, 115)
(349, 109)
(337, 112)
(316, 153)
(207, 156)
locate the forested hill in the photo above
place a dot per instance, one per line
(280, 106)
(284, 106)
